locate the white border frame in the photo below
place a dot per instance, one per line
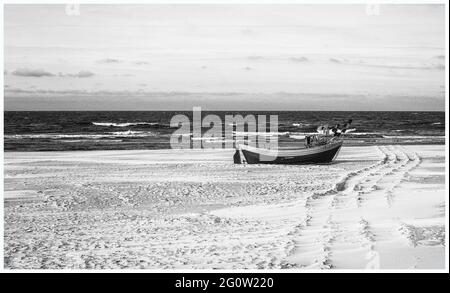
(181, 271)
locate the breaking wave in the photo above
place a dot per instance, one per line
(125, 124)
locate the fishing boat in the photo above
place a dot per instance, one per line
(322, 147)
(316, 154)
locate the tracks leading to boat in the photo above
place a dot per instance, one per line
(330, 234)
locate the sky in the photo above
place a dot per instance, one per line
(224, 57)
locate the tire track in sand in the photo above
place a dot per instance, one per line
(389, 179)
(330, 232)
(313, 241)
(374, 190)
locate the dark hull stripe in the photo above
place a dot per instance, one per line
(320, 157)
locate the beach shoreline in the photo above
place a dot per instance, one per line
(379, 207)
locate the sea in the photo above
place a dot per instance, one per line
(133, 130)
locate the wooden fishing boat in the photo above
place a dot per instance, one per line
(316, 154)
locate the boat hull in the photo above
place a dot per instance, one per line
(320, 154)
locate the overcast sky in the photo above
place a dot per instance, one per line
(253, 57)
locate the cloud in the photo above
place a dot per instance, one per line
(141, 62)
(81, 74)
(337, 60)
(422, 66)
(405, 66)
(109, 61)
(32, 72)
(255, 58)
(125, 74)
(42, 73)
(298, 59)
(84, 73)
(119, 93)
(115, 61)
(248, 32)
(25, 99)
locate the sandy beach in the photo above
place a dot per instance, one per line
(374, 207)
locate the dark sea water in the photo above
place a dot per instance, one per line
(92, 130)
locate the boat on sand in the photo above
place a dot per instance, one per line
(316, 154)
(322, 147)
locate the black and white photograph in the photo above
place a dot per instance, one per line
(209, 137)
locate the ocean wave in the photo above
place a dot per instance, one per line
(218, 139)
(415, 136)
(301, 124)
(125, 124)
(365, 133)
(116, 134)
(236, 133)
(301, 135)
(91, 140)
(260, 133)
